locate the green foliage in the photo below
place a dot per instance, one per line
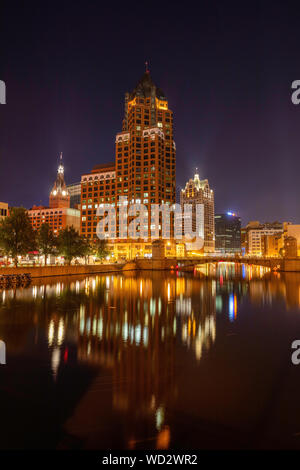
(71, 245)
(101, 249)
(46, 241)
(17, 236)
(86, 247)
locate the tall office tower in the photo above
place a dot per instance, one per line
(198, 192)
(59, 196)
(145, 150)
(143, 172)
(228, 233)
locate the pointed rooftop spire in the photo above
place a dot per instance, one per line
(145, 87)
(61, 166)
(59, 196)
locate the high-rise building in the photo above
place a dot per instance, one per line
(58, 215)
(144, 168)
(197, 191)
(228, 233)
(3, 210)
(74, 191)
(145, 149)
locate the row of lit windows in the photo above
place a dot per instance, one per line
(44, 213)
(138, 116)
(38, 222)
(46, 218)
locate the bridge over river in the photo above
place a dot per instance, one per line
(189, 263)
(275, 264)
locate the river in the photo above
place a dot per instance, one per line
(152, 360)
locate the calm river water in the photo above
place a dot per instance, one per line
(152, 360)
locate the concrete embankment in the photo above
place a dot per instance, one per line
(49, 271)
(289, 265)
(76, 270)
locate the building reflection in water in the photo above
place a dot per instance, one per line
(130, 328)
(131, 332)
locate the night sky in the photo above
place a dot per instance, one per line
(226, 69)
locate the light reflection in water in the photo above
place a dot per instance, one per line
(134, 329)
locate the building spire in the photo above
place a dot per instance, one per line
(147, 66)
(59, 196)
(60, 166)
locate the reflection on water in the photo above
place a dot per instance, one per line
(138, 360)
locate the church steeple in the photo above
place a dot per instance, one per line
(59, 196)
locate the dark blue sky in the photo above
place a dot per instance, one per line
(226, 68)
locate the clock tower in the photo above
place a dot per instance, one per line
(59, 196)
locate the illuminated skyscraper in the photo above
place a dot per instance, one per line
(144, 169)
(228, 233)
(145, 149)
(198, 192)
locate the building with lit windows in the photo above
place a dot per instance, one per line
(290, 247)
(147, 146)
(144, 167)
(197, 191)
(58, 215)
(74, 191)
(256, 233)
(3, 210)
(286, 242)
(272, 245)
(228, 233)
(293, 230)
(97, 188)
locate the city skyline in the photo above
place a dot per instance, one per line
(149, 230)
(232, 103)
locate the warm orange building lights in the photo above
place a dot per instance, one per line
(97, 187)
(144, 169)
(58, 215)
